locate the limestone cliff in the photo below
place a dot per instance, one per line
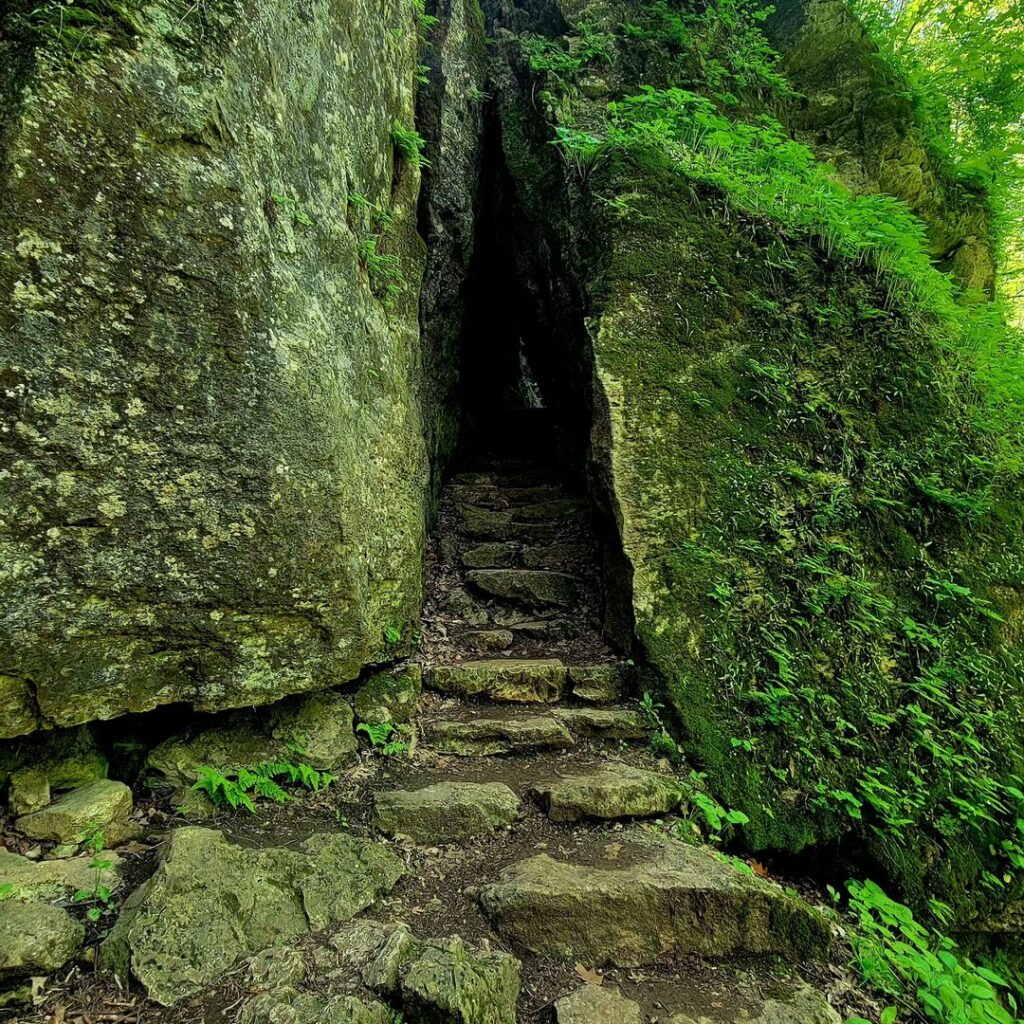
(214, 471)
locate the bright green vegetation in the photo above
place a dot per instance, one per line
(389, 739)
(920, 969)
(410, 144)
(98, 896)
(242, 787)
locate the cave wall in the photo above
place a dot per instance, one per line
(214, 472)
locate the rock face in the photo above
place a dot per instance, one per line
(101, 807)
(185, 227)
(676, 899)
(35, 939)
(211, 903)
(446, 812)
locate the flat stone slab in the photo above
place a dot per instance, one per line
(595, 1004)
(99, 808)
(490, 639)
(619, 791)
(36, 938)
(608, 723)
(446, 812)
(210, 903)
(672, 900)
(481, 737)
(518, 680)
(598, 684)
(555, 556)
(804, 1006)
(543, 511)
(534, 587)
(498, 555)
(56, 879)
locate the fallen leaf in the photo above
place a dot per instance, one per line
(589, 976)
(759, 869)
(612, 851)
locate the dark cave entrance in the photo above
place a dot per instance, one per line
(524, 376)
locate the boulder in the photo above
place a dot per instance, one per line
(478, 737)
(519, 680)
(390, 696)
(598, 684)
(536, 588)
(317, 729)
(450, 984)
(35, 938)
(210, 903)
(594, 1004)
(99, 809)
(57, 879)
(619, 791)
(669, 899)
(447, 812)
(604, 723)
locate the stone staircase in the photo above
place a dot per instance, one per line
(524, 864)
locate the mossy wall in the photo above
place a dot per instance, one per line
(826, 572)
(213, 476)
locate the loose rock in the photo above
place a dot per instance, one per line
(480, 737)
(594, 1005)
(599, 684)
(211, 903)
(55, 879)
(390, 696)
(100, 808)
(446, 812)
(35, 938)
(605, 723)
(512, 680)
(534, 587)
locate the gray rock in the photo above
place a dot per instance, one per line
(48, 763)
(620, 791)
(99, 808)
(555, 556)
(446, 812)
(390, 696)
(477, 521)
(502, 679)
(555, 508)
(484, 736)
(537, 588)
(804, 1005)
(210, 903)
(674, 899)
(450, 984)
(57, 879)
(374, 952)
(594, 1004)
(497, 555)
(599, 684)
(604, 723)
(490, 639)
(36, 938)
(460, 603)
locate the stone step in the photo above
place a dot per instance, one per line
(489, 639)
(518, 680)
(447, 812)
(604, 723)
(489, 735)
(556, 556)
(619, 791)
(534, 587)
(667, 899)
(495, 555)
(497, 524)
(599, 684)
(496, 495)
(789, 1002)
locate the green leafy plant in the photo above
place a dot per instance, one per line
(410, 144)
(922, 969)
(424, 21)
(383, 269)
(291, 206)
(389, 739)
(98, 895)
(241, 787)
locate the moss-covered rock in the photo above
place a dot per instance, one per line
(211, 903)
(446, 812)
(58, 879)
(97, 809)
(35, 939)
(618, 791)
(36, 768)
(390, 696)
(215, 477)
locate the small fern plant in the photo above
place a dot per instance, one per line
(410, 144)
(241, 787)
(389, 739)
